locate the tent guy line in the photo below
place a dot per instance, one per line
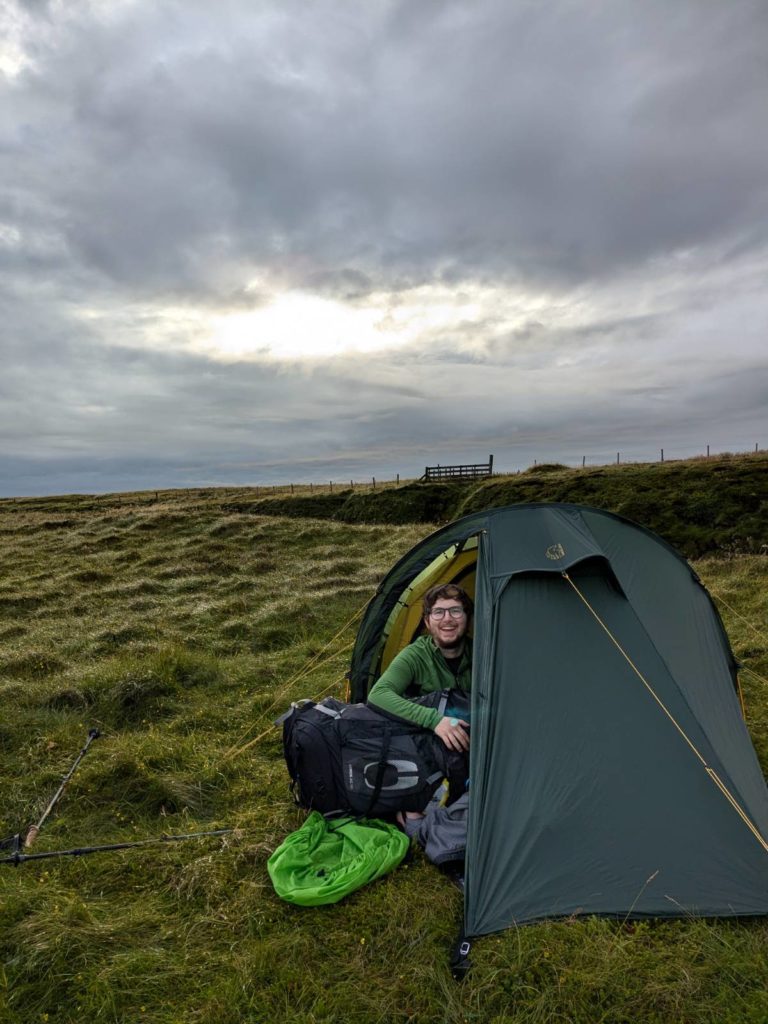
(738, 615)
(707, 768)
(309, 665)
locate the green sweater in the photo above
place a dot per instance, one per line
(421, 667)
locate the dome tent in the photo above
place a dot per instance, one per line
(611, 769)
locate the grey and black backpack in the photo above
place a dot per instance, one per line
(356, 759)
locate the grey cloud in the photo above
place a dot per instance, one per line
(208, 156)
(507, 139)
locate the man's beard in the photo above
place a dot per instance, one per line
(451, 644)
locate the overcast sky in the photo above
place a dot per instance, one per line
(251, 242)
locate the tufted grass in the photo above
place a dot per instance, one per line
(178, 627)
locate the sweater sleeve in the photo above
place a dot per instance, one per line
(388, 691)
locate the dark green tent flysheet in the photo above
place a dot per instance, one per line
(611, 770)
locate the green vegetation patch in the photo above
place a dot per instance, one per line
(182, 642)
(698, 505)
(126, 784)
(133, 690)
(412, 503)
(317, 506)
(31, 664)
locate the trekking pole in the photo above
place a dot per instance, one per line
(34, 830)
(17, 858)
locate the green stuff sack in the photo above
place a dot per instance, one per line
(324, 861)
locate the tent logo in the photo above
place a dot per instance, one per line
(555, 552)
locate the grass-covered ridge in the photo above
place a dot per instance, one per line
(178, 626)
(698, 505)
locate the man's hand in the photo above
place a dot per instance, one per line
(453, 733)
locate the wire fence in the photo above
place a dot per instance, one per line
(635, 456)
(253, 492)
(570, 461)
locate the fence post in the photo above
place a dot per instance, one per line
(374, 483)
(351, 485)
(398, 479)
(755, 447)
(618, 457)
(707, 451)
(490, 465)
(331, 486)
(291, 488)
(662, 454)
(310, 488)
(583, 461)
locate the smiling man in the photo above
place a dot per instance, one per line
(439, 660)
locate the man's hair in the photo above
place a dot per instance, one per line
(447, 590)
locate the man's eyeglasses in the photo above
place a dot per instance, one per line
(455, 612)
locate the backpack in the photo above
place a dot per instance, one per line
(356, 759)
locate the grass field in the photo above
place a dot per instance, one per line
(180, 627)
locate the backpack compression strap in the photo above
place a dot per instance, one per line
(380, 770)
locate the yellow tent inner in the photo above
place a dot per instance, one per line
(455, 565)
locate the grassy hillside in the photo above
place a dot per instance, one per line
(180, 628)
(699, 505)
